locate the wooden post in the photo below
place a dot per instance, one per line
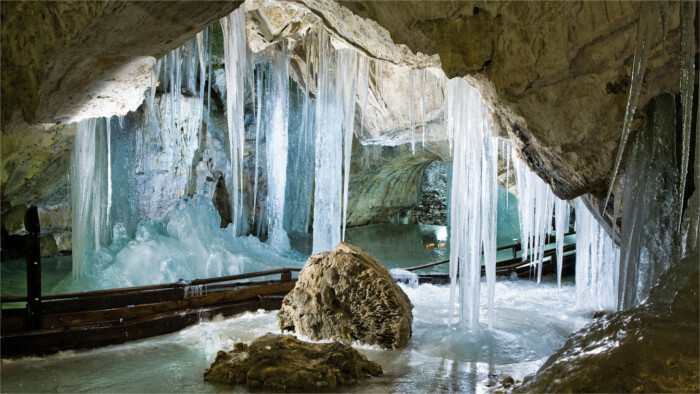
(31, 224)
(286, 276)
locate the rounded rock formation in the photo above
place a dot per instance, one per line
(284, 363)
(347, 295)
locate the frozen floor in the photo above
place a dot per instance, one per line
(531, 321)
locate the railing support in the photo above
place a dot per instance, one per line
(31, 224)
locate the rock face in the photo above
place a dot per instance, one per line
(347, 295)
(650, 348)
(555, 73)
(284, 363)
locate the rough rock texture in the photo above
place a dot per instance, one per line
(347, 295)
(556, 73)
(66, 60)
(651, 348)
(284, 363)
(385, 183)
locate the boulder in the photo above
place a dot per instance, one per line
(347, 295)
(284, 363)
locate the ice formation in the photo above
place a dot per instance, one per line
(535, 206)
(597, 263)
(561, 217)
(233, 27)
(646, 29)
(473, 201)
(89, 191)
(649, 222)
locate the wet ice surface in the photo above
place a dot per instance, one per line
(531, 322)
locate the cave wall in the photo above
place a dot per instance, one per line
(555, 73)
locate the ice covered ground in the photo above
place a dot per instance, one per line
(531, 322)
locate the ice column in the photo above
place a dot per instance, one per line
(335, 113)
(597, 263)
(473, 200)
(233, 27)
(89, 192)
(275, 118)
(649, 221)
(300, 170)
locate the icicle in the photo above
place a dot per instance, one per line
(648, 16)
(507, 149)
(363, 88)
(233, 27)
(347, 70)
(329, 153)
(535, 207)
(473, 199)
(89, 194)
(412, 110)
(561, 215)
(422, 104)
(258, 115)
(209, 66)
(276, 118)
(687, 75)
(597, 263)
(648, 233)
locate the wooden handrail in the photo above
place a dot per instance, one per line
(165, 286)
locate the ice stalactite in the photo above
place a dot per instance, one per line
(89, 192)
(422, 105)
(649, 229)
(335, 114)
(235, 48)
(687, 75)
(561, 218)
(348, 70)
(597, 263)
(646, 29)
(300, 170)
(473, 201)
(275, 118)
(412, 110)
(535, 207)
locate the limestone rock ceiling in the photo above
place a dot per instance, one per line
(67, 60)
(555, 73)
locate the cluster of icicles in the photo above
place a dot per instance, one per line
(320, 163)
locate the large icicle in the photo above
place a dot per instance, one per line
(561, 217)
(597, 263)
(234, 31)
(646, 29)
(687, 76)
(89, 192)
(276, 117)
(329, 142)
(347, 69)
(535, 207)
(473, 200)
(649, 228)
